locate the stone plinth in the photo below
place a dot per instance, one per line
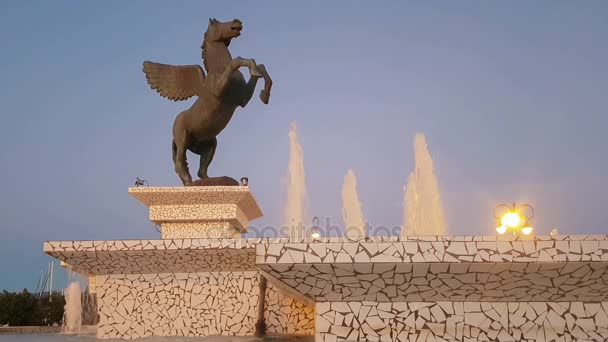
(199, 211)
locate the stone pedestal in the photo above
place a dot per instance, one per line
(199, 211)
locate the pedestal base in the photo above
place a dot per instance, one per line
(200, 211)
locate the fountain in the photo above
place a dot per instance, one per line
(352, 214)
(423, 214)
(295, 207)
(72, 317)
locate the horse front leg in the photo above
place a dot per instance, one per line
(249, 90)
(221, 83)
(265, 93)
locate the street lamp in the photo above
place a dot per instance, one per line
(513, 218)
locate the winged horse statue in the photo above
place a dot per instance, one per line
(219, 93)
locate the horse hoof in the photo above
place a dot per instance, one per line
(265, 97)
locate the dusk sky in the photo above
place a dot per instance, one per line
(512, 98)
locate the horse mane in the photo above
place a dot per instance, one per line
(204, 49)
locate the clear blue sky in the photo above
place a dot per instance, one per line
(512, 97)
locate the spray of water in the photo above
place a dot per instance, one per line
(352, 213)
(72, 317)
(295, 207)
(423, 214)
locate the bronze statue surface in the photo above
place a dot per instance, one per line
(219, 93)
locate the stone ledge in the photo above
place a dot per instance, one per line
(432, 282)
(565, 268)
(443, 249)
(154, 256)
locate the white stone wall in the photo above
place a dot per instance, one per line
(461, 321)
(286, 315)
(194, 304)
(177, 304)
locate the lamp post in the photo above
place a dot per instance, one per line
(514, 218)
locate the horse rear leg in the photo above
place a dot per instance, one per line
(179, 148)
(206, 149)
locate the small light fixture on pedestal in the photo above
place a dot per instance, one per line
(244, 181)
(514, 219)
(315, 233)
(141, 182)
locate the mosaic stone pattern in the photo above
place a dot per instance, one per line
(202, 212)
(461, 321)
(432, 249)
(448, 269)
(194, 304)
(154, 256)
(193, 230)
(177, 304)
(209, 216)
(286, 315)
(387, 282)
(446, 288)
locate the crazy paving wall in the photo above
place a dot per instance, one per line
(286, 315)
(462, 321)
(193, 304)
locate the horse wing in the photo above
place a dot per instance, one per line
(174, 82)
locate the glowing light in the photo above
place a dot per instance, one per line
(527, 230)
(315, 235)
(516, 218)
(501, 230)
(511, 219)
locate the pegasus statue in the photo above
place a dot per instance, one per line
(220, 91)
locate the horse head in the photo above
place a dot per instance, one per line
(223, 32)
